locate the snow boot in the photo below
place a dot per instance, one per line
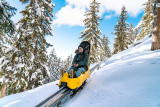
(71, 73)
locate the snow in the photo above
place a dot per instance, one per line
(20, 65)
(38, 9)
(29, 98)
(139, 25)
(49, 4)
(127, 79)
(40, 30)
(4, 4)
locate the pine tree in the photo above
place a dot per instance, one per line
(68, 62)
(147, 20)
(7, 26)
(92, 32)
(121, 40)
(131, 34)
(36, 24)
(7, 29)
(105, 53)
(27, 60)
(54, 65)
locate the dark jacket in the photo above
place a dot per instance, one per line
(81, 59)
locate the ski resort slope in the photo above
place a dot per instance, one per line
(128, 79)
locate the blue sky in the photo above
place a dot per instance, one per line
(68, 20)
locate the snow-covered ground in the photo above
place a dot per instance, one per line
(128, 79)
(29, 98)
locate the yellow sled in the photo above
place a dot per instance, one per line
(73, 83)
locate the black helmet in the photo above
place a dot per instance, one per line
(81, 45)
(86, 47)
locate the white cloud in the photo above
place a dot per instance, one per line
(73, 13)
(108, 16)
(79, 3)
(134, 7)
(70, 16)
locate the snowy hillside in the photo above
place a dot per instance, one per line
(128, 79)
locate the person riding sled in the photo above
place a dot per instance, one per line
(79, 63)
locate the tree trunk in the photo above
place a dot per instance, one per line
(3, 90)
(156, 30)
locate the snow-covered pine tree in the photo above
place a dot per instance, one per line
(92, 32)
(68, 62)
(105, 53)
(147, 20)
(59, 66)
(54, 66)
(6, 12)
(28, 59)
(7, 29)
(121, 31)
(33, 27)
(63, 65)
(131, 34)
(7, 26)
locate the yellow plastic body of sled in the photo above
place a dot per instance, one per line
(74, 83)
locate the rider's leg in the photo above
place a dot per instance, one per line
(79, 71)
(70, 69)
